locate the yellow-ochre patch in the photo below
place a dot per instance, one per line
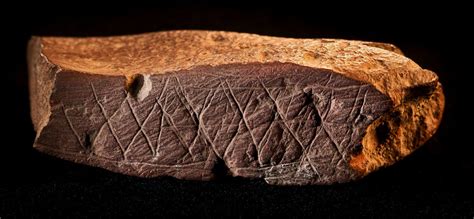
(399, 132)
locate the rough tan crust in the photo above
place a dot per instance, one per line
(381, 65)
(409, 126)
(386, 46)
(40, 85)
(389, 72)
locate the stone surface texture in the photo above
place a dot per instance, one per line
(183, 103)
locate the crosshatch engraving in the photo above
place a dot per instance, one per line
(279, 118)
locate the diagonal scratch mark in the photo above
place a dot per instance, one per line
(306, 151)
(286, 125)
(113, 114)
(169, 119)
(69, 122)
(231, 103)
(186, 103)
(199, 122)
(105, 124)
(231, 122)
(231, 141)
(306, 114)
(141, 127)
(327, 82)
(233, 117)
(354, 104)
(289, 104)
(242, 112)
(158, 139)
(248, 101)
(280, 115)
(208, 100)
(194, 115)
(323, 122)
(217, 132)
(198, 117)
(107, 120)
(308, 148)
(305, 155)
(260, 146)
(347, 140)
(336, 145)
(328, 109)
(269, 126)
(203, 128)
(361, 109)
(206, 105)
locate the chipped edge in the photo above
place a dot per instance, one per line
(42, 77)
(400, 131)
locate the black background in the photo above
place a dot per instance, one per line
(435, 180)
